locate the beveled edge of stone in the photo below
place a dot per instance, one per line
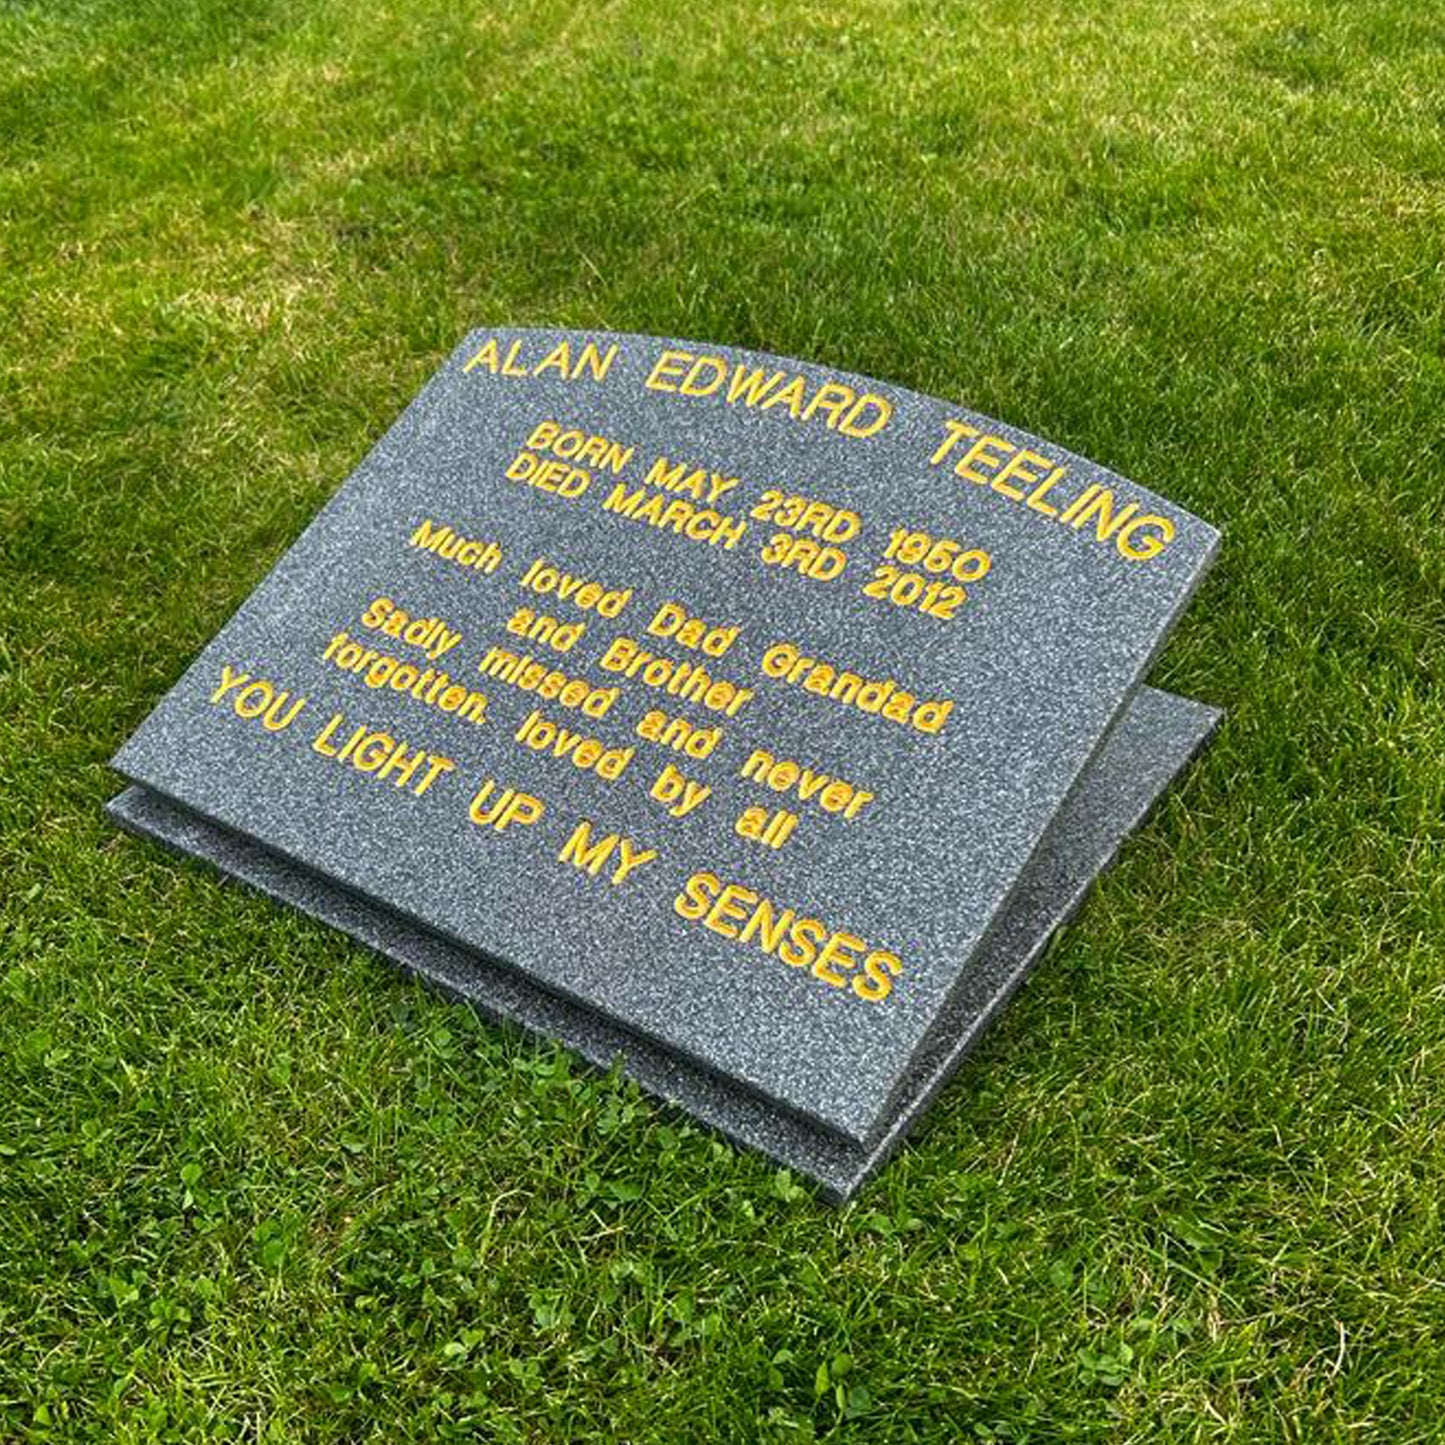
(1143, 754)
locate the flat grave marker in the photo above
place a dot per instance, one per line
(717, 699)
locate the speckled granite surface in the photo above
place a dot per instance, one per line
(662, 472)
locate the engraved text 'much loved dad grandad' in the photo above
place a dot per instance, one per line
(721, 696)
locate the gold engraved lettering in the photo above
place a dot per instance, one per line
(528, 675)
(382, 756)
(679, 734)
(840, 959)
(675, 621)
(804, 555)
(548, 476)
(686, 681)
(258, 699)
(771, 828)
(547, 580)
(472, 553)
(1023, 475)
(574, 445)
(699, 377)
(380, 670)
(500, 809)
(786, 663)
(588, 754)
(591, 857)
(700, 483)
(431, 634)
(783, 775)
(539, 627)
(678, 793)
(590, 362)
(683, 519)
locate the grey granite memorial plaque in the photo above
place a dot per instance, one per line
(717, 700)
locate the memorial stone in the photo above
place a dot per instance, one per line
(748, 720)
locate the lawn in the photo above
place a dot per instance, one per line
(256, 1186)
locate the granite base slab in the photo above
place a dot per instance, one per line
(1155, 737)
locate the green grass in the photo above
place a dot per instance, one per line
(253, 1186)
